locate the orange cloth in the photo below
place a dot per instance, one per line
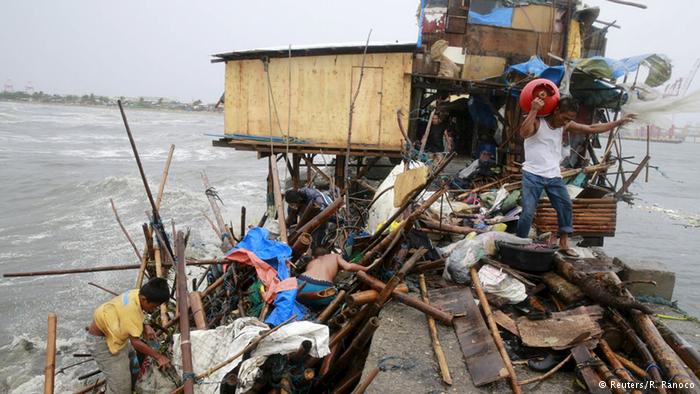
(267, 274)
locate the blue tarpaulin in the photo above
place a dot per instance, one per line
(502, 17)
(276, 254)
(536, 67)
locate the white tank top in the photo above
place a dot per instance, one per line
(543, 151)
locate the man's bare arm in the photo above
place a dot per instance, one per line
(141, 347)
(578, 128)
(351, 267)
(529, 126)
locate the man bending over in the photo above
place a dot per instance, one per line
(120, 321)
(320, 274)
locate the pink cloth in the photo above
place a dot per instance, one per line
(267, 274)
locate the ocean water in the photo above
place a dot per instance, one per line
(59, 166)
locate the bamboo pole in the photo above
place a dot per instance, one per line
(641, 347)
(220, 223)
(437, 314)
(164, 177)
(102, 269)
(632, 367)
(185, 345)
(279, 201)
(319, 219)
(378, 234)
(159, 274)
(667, 358)
(616, 364)
(114, 293)
(328, 311)
(126, 233)
(685, 350)
(437, 347)
(494, 330)
(197, 310)
(362, 386)
(50, 361)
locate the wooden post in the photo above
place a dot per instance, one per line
(185, 344)
(50, 362)
(279, 202)
(494, 330)
(437, 347)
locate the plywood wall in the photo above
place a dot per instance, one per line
(321, 90)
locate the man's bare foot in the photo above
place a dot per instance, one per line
(564, 246)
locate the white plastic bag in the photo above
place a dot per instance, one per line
(461, 255)
(496, 282)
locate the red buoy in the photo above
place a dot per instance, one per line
(544, 89)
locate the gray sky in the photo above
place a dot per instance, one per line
(162, 47)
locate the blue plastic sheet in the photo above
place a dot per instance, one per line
(536, 67)
(502, 17)
(276, 254)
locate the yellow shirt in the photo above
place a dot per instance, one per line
(120, 319)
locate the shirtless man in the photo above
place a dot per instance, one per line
(320, 274)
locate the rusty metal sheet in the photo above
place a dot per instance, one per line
(480, 352)
(561, 331)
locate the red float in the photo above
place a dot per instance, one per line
(544, 89)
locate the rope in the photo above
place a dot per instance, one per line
(189, 376)
(391, 363)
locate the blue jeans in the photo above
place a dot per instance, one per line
(558, 197)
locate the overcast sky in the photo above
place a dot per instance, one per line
(163, 47)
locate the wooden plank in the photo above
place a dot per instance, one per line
(559, 332)
(367, 116)
(534, 17)
(510, 43)
(480, 352)
(482, 67)
(583, 356)
(407, 183)
(506, 322)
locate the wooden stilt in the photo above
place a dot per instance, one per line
(50, 362)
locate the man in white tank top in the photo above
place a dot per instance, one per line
(542, 143)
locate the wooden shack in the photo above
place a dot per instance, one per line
(298, 99)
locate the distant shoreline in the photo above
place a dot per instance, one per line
(83, 105)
